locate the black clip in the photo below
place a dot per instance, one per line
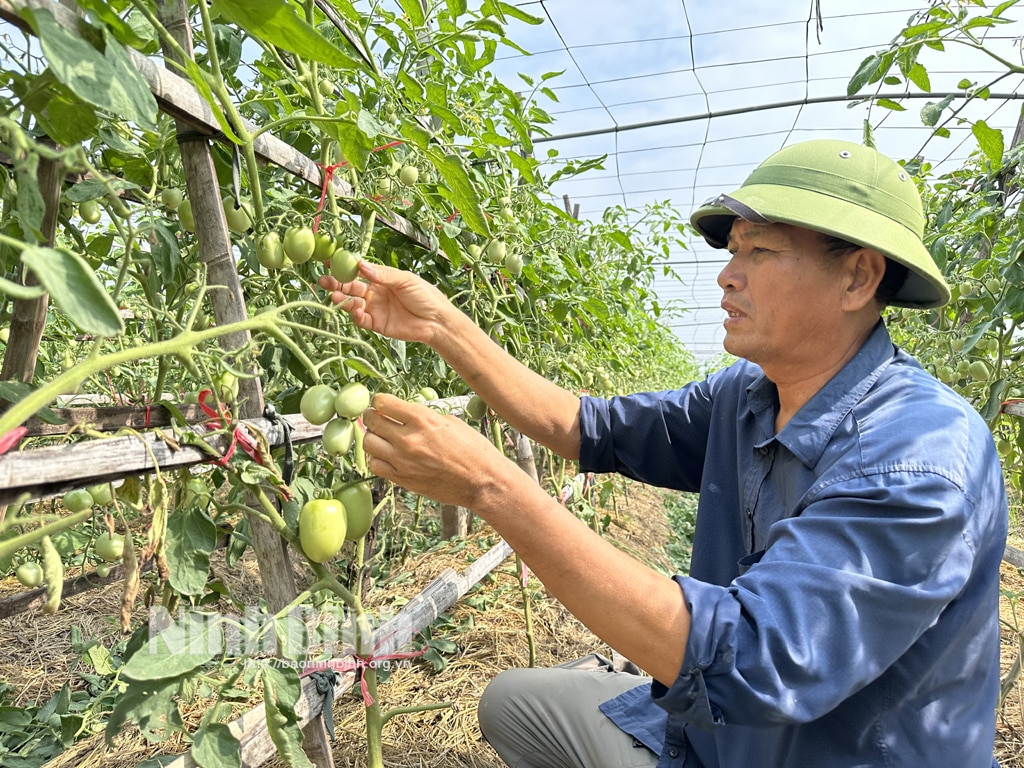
(288, 465)
(325, 681)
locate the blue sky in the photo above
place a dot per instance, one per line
(628, 63)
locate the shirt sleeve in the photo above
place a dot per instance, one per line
(659, 438)
(838, 595)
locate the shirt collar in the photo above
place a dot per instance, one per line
(809, 431)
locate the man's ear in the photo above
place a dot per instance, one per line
(867, 267)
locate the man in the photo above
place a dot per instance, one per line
(841, 608)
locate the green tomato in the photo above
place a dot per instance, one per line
(324, 248)
(476, 408)
(322, 528)
(227, 386)
(957, 344)
(237, 217)
(299, 244)
(317, 404)
(358, 503)
(474, 251)
(103, 570)
(429, 393)
(77, 500)
(352, 400)
(338, 436)
(344, 266)
(409, 175)
(29, 574)
(496, 251)
(979, 371)
(171, 198)
(1004, 446)
(385, 186)
(326, 88)
(514, 263)
(5, 335)
(197, 492)
(102, 493)
(185, 217)
(270, 252)
(109, 548)
(90, 211)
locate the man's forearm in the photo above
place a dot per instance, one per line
(530, 403)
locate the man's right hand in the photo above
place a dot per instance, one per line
(391, 302)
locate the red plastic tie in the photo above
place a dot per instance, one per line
(12, 438)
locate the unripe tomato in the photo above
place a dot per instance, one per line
(197, 492)
(358, 503)
(474, 251)
(227, 386)
(188, 221)
(5, 335)
(1004, 446)
(171, 198)
(979, 371)
(957, 344)
(322, 528)
(994, 286)
(514, 263)
(429, 393)
(338, 436)
(317, 404)
(77, 500)
(109, 548)
(496, 251)
(102, 493)
(384, 186)
(351, 400)
(299, 244)
(963, 368)
(238, 219)
(103, 570)
(90, 211)
(29, 574)
(326, 87)
(324, 247)
(344, 266)
(409, 175)
(270, 252)
(476, 408)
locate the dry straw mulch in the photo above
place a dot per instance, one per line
(36, 656)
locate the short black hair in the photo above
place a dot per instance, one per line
(892, 280)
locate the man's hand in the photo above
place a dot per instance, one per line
(431, 454)
(391, 302)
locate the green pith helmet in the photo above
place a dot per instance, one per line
(841, 189)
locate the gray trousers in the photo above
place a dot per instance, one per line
(548, 718)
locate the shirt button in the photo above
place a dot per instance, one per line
(673, 752)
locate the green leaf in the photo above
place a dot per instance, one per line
(517, 13)
(31, 206)
(360, 365)
(281, 691)
(192, 537)
(277, 23)
(461, 189)
(152, 706)
(96, 67)
(895, 106)
(74, 288)
(414, 11)
(990, 140)
(918, 75)
(868, 70)
(214, 746)
(183, 647)
(456, 8)
(19, 291)
(13, 391)
(165, 251)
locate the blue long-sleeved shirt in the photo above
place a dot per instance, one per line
(845, 574)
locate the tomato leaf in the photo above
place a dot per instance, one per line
(192, 537)
(990, 140)
(152, 706)
(182, 647)
(461, 189)
(414, 11)
(74, 288)
(867, 72)
(276, 22)
(281, 690)
(19, 291)
(215, 746)
(96, 67)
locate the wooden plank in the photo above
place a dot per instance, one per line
(40, 473)
(110, 418)
(1014, 556)
(178, 98)
(1014, 408)
(391, 637)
